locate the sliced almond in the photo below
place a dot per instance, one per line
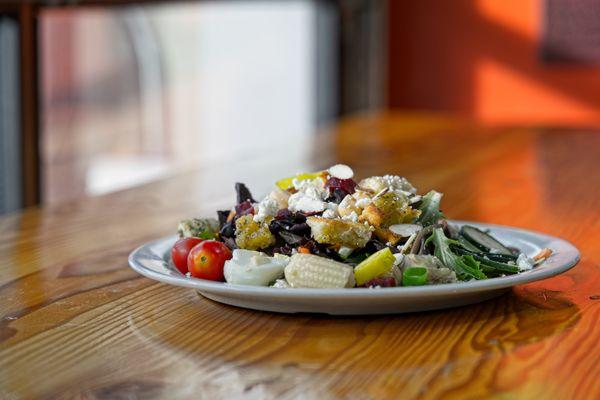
(341, 171)
(405, 230)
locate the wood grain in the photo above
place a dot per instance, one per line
(78, 323)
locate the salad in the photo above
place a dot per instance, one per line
(328, 230)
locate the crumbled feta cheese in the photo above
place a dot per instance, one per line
(266, 208)
(297, 183)
(363, 202)
(331, 206)
(316, 186)
(280, 196)
(524, 263)
(309, 197)
(399, 257)
(345, 251)
(329, 214)
(301, 202)
(399, 183)
(281, 284)
(415, 199)
(353, 216)
(394, 183)
(381, 193)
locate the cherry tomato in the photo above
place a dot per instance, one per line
(181, 250)
(206, 260)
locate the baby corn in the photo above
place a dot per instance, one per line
(310, 271)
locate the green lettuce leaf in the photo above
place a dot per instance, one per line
(465, 267)
(430, 208)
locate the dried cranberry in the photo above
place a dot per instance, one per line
(388, 281)
(347, 185)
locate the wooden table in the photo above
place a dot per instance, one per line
(76, 322)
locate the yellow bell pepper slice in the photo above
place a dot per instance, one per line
(376, 265)
(287, 183)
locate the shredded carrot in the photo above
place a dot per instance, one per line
(303, 250)
(543, 254)
(231, 215)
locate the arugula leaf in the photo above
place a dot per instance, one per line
(430, 208)
(469, 267)
(465, 267)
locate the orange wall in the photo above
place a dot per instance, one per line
(479, 58)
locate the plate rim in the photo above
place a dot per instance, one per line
(396, 292)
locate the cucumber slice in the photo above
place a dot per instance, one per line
(468, 246)
(489, 271)
(483, 241)
(498, 266)
(503, 258)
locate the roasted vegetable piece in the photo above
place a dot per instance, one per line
(310, 271)
(376, 265)
(252, 235)
(203, 228)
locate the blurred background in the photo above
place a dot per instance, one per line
(100, 96)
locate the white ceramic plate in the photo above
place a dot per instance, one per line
(153, 261)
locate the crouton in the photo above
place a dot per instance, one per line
(339, 232)
(388, 209)
(252, 235)
(347, 206)
(387, 236)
